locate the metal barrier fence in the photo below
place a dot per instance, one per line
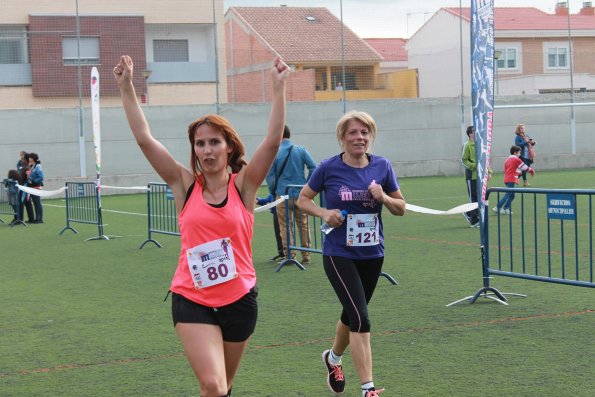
(83, 206)
(547, 236)
(8, 201)
(302, 241)
(161, 212)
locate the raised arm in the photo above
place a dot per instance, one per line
(162, 161)
(252, 175)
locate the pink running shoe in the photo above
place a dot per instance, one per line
(373, 392)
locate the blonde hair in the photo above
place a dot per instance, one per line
(362, 117)
(518, 129)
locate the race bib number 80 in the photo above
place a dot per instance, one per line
(211, 263)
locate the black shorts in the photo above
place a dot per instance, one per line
(236, 320)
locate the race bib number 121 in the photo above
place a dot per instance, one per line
(362, 230)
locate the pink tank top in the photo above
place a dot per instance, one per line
(202, 224)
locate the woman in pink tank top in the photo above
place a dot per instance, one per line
(213, 290)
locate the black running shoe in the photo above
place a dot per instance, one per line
(335, 378)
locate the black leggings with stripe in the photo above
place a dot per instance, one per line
(354, 282)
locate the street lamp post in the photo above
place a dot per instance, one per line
(497, 55)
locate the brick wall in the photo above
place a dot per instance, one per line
(117, 36)
(247, 48)
(534, 58)
(246, 79)
(255, 87)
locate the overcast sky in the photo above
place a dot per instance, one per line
(392, 18)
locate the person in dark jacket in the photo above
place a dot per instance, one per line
(35, 180)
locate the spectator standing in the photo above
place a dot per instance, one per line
(526, 143)
(276, 230)
(35, 180)
(289, 168)
(353, 252)
(513, 167)
(25, 198)
(470, 164)
(468, 160)
(13, 195)
(23, 160)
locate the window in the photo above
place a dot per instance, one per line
(170, 50)
(13, 45)
(507, 59)
(557, 58)
(89, 50)
(10, 52)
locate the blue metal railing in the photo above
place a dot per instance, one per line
(83, 206)
(161, 213)
(547, 236)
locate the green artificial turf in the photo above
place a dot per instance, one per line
(87, 318)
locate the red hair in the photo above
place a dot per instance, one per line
(236, 158)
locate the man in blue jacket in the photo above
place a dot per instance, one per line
(289, 168)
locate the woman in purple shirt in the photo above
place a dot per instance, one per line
(353, 252)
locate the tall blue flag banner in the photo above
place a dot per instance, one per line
(482, 90)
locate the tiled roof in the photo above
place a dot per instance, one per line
(305, 34)
(390, 49)
(530, 18)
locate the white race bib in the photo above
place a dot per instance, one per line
(363, 230)
(211, 263)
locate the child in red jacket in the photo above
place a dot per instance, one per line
(513, 167)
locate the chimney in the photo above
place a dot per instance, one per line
(562, 8)
(587, 8)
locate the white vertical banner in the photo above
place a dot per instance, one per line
(96, 125)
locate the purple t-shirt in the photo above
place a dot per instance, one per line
(346, 188)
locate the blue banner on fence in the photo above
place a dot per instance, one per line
(482, 88)
(561, 206)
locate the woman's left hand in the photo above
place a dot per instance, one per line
(376, 192)
(279, 72)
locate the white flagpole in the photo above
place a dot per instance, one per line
(96, 128)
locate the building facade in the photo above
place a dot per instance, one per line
(533, 52)
(47, 50)
(329, 60)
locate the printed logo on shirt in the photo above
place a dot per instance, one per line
(220, 254)
(364, 196)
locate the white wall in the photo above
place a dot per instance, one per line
(420, 137)
(435, 50)
(200, 39)
(530, 85)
